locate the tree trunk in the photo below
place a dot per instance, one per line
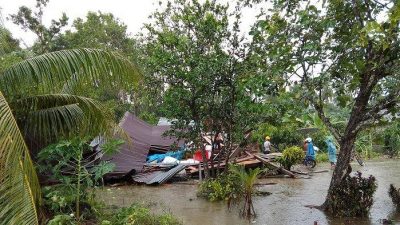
(343, 166)
(213, 138)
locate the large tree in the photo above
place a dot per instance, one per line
(344, 53)
(195, 54)
(31, 20)
(98, 30)
(10, 52)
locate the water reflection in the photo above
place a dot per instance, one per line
(284, 206)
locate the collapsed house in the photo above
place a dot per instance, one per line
(135, 157)
(142, 138)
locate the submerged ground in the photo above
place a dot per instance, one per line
(284, 206)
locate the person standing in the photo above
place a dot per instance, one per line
(310, 148)
(267, 145)
(331, 151)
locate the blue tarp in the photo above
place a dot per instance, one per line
(160, 157)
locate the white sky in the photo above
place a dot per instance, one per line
(131, 12)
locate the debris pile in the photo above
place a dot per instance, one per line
(149, 158)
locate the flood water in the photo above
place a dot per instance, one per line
(286, 204)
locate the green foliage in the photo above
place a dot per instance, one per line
(353, 196)
(291, 156)
(62, 220)
(333, 52)
(27, 84)
(37, 88)
(282, 136)
(322, 157)
(194, 48)
(140, 215)
(224, 187)
(32, 20)
(70, 163)
(19, 185)
(8, 44)
(236, 187)
(66, 156)
(111, 146)
(98, 30)
(247, 181)
(392, 139)
(394, 194)
(364, 142)
(311, 120)
(10, 52)
(149, 117)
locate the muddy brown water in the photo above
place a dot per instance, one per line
(286, 205)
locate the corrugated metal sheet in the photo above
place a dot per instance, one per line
(133, 153)
(158, 177)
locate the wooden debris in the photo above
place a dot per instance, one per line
(262, 184)
(299, 172)
(320, 171)
(270, 164)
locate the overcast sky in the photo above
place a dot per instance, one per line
(131, 12)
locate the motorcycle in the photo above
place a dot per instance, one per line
(309, 161)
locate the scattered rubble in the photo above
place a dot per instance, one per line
(148, 156)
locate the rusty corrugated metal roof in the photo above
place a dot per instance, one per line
(142, 136)
(158, 177)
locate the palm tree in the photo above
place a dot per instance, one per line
(38, 101)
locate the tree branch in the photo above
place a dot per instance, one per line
(380, 109)
(326, 120)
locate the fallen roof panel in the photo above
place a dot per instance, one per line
(158, 177)
(142, 136)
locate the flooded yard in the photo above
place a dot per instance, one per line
(286, 205)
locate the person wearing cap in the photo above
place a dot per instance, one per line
(267, 145)
(309, 148)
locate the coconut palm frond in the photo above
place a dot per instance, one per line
(46, 117)
(71, 84)
(51, 115)
(19, 186)
(51, 71)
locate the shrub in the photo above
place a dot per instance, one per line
(322, 157)
(65, 162)
(220, 188)
(353, 197)
(236, 187)
(140, 215)
(291, 156)
(62, 220)
(394, 194)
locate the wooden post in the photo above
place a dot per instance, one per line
(200, 176)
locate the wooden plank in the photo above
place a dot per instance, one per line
(249, 162)
(193, 170)
(266, 162)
